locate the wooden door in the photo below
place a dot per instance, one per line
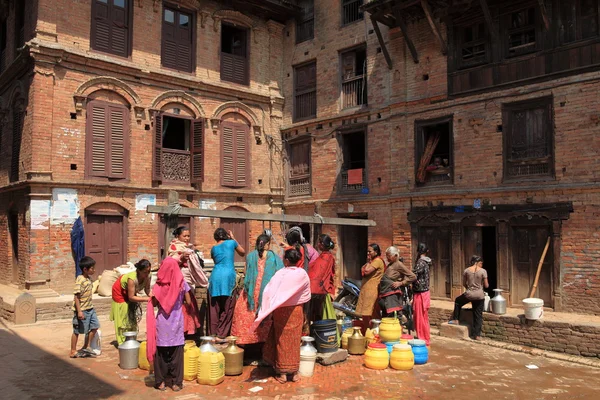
(104, 241)
(162, 227)
(239, 227)
(528, 244)
(437, 239)
(354, 243)
(473, 243)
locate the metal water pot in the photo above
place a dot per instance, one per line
(129, 351)
(498, 303)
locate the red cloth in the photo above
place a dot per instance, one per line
(166, 291)
(119, 294)
(191, 316)
(355, 176)
(299, 264)
(321, 273)
(282, 348)
(421, 303)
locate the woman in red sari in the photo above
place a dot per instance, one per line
(321, 273)
(284, 299)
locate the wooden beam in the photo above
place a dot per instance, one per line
(195, 212)
(544, 14)
(488, 20)
(404, 29)
(388, 60)
(434, 27)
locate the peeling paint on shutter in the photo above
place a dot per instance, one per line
(119, 117)
(157, 154)
(228, 156)
(197, 160)
(99, 131)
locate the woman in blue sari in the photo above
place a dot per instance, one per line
(222, 282)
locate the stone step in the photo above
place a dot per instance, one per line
(45, 293)
(454, 331)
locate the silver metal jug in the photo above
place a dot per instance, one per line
(129, 351)
(498, 303)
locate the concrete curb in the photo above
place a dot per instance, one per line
(590, 362)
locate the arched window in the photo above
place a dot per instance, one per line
(235, 151)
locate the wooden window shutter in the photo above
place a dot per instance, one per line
(157, 154)
(228, 155)
(241, 155)
(177, 50)
(119, 142)
(16, 145)
(197, 159)
(97, 115)
(111, 27)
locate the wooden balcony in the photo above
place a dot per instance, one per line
(299, 186)
(354, 92)
(175, 166)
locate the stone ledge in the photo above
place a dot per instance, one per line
(454, 331)
(332, 358)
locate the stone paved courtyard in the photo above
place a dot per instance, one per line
(34, 365)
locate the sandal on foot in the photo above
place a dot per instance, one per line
(281, 378)
(177, 388)
(295, 377)
(160, 387)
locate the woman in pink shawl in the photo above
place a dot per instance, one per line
(284, 298)
(165, 331)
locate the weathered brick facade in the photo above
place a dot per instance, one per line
(60, 73)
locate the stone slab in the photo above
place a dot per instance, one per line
(454, 331)
(332, 358)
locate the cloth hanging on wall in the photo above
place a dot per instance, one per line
(77, 244)
(355, 176)
(432, 143)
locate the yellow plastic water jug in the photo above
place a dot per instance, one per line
(143, 362)
(211, 363)
(390, 330)
(402, 357)
(376, 356)
(191, 352)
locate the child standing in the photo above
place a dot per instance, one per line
(85, 321)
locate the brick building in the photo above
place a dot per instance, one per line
(472, 129)
(109, 104)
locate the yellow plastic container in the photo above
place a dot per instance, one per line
(402, 357)
(191, 352)
(405, 338)
(347, 333)
(211, 368)
(143, 362)
(376, 356)
(390, 330)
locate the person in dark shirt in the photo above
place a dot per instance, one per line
(421, 295)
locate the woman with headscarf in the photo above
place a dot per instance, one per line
(295, 239)
(284, 298)
(165, 331)
(396, 276)
(193, 275)
(321, 273)
(125, 310)
(261, 266)
(222, 282)
(421, 295)
(371, 273)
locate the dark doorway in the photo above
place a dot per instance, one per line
(528, 243)
(489, 253)
(353, 243)
(437, 238)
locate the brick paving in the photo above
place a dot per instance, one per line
(34, 365)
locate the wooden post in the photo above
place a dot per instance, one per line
(170, 220)
(434, 27)
(386, 55)
(488, 20)
(544, 14)
(539, 269)
(404, 29)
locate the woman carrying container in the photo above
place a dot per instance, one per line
(165, 331)
(284, 299)
(125, 310)
(475, 279)
(261, 266)
(222, 282)
(421, 295)
(371, 272)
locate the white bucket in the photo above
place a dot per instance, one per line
(534, 308)
(307, 365)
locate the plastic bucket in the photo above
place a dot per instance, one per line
(534, 308)
(325, 334)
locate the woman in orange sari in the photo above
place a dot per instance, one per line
(372, 272)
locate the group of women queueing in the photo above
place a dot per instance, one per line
(269, 312)
(381, 292)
